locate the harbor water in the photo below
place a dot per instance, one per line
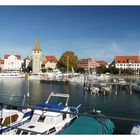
(122, 104)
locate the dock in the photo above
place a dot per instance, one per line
(64, 82)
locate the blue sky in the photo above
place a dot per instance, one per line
(100, 32)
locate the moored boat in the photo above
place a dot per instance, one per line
(136, 86)
(51, 120)
(12, 75)
(84, 125)
(12, 118)
(135, 130)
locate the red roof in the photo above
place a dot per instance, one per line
(84, 60)
(51, 58)
(126, 59)
(1, 61)
(101, 62)
(7, 55)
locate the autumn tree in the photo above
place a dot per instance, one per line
(68, 59)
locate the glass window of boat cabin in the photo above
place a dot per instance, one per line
(6, 121)
(14, 118)
(41, 118)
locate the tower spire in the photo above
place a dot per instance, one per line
(37, 45)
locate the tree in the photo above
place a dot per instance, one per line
(113, 70)
(101, 70)
(80, 70)
(28, 69)
(69, 59)
(0, 69)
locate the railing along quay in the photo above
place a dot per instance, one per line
(73, 113)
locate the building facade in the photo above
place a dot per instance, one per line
(12, 62)
(27, 61)
(49, 62)
(102, 63)
(1, 64)
(36, 56)
(127, 62)
(87, 63)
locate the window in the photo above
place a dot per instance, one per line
(18, 132)
(41, 119)
(14, 118)
(6, 121)
(64, 116)
(25, 133)
(52, 130)
(31, 126)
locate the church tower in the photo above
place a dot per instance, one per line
(36, 55)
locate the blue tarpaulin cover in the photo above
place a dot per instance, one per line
(89, 125)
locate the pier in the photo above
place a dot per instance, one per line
(95, 86)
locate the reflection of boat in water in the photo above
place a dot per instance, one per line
(94, 89)
(105, 88)
(136, 86)
(49, 122)
(90, 125)
(12, 118)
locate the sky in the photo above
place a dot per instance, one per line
(100, 32)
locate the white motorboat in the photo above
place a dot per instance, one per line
(12, 118)
(135, 130)
(49, 122)
(122, 82)
(12, 75)
(94, 90)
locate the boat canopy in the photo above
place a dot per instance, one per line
(89, 125)
(51, 106)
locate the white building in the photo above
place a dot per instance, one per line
(27, 61)
(127, 62)
(12, 62)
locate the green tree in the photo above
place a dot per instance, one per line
(113, 70)
(80, 70)
(0, 69)
(28, 69)
(101, 69)
(69, 59)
